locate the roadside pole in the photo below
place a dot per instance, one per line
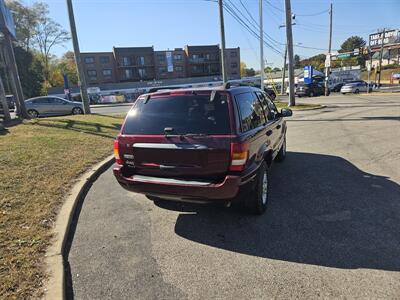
(3, 101)
(289, 37)
(78, 60)
(369, 74)
(328, 56)
(261, 46)
(380, 58)
(222, 33)
(15, 81)
(284, 72)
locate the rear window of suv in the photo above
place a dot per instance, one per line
(186, 114)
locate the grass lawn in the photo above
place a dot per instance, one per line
(39, 161)
(299, 106)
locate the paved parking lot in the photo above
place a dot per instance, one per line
(331, 230)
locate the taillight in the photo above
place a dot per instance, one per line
(239, 156)
(118, 160)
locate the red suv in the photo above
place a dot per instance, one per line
(202, 145)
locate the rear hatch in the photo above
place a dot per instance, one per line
(181, 134)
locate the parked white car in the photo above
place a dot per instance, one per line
(355, 87)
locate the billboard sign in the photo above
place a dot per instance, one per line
(391, 37)
(308, 74)
(170, 65)
(7, 25)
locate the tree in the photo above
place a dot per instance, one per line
(297, 61)
(47, 35)
(317, 61)
(30, 72)
(246, 72)
(25, 20)
(243, 68)
(352, 43)
(67, 66)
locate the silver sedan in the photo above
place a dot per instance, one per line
(52, 106)
(354, 87)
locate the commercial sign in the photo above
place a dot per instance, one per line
(170, 65)
(391, 37)
(308, 74)
(6, 20)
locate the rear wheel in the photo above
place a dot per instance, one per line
(282, 152)
(311, 94)
(357, 91)
(33, 113)
(77, 111)
(257, 201)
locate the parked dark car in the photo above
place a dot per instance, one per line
(10, 102)
(271, 93)
(310, 90)
(337, 87)
(202, 145)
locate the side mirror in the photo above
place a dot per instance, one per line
(286, 112)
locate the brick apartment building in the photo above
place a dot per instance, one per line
(132, 64)
(99, 67)
(170, 64)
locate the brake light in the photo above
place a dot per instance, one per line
(118, 160)
(239, 156)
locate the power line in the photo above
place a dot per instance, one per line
(314, 14)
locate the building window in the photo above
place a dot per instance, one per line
(234, 65)
(177, 56)
(104, 59)
(162, 70)
(207, 57)
(89, 60)
(178, 68)
(92, 72)
(107, 72)
(142, 73)
(126, 61)
(233, 54)
(161, 58)
(128, 74)
(141, 60)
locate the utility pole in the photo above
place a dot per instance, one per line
(261, 47)
(289, 37)
(328, 66)
(284, 72)
(15, 81)
(78, 60)
(380, 58)
(222, 29)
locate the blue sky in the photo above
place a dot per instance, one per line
(102, 24)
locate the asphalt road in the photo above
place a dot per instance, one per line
(332, 229)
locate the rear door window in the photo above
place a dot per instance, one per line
(269, 106)
(251, 111)
(185, 114)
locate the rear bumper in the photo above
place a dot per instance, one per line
(180, 189)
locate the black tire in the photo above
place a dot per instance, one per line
(311, 94)
(282, 152)
(77, 111)
(357, 91)
(255, 202)
(33, 113)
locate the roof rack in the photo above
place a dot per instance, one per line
(156, 89)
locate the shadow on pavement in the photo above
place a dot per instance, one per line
(323, 211)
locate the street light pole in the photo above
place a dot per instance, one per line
(261, 47)
(328, 66)
(284, 72)
(380, 57)
(289, 37)
(78, 60)
(222, 32)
